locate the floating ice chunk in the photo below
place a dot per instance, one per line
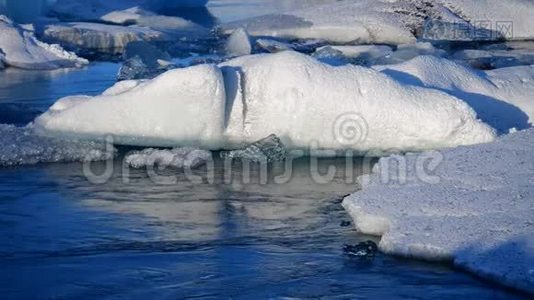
(20, 48)
(406, 52)
(180, 107)
(176, 157)
(512, 54)
(501, 98)
(273, 46)
(361, 55)
(143, 61)
(170, 25)
(100, 38)
(268, 149)
(472, 205)
(238, 43)
(21, 146)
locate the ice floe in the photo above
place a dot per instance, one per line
(292, 95)
(21, 146)
(21, 49)
(472, 205)
(88, 38)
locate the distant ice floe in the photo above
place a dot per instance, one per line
(472, 205)
(22, 146)
(397, 22)
(177, 157)
(100, 38)
(21, 49)
(291, 95)
(96, 10)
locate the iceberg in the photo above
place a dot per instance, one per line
(470, 205)
(304, 102)
(178, 158)
(22, 146)
(21, 49)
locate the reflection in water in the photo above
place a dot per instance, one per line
(24, 93)
(136, 239)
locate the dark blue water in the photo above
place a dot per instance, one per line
(62, 237)
(65, 238)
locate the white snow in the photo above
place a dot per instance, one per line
(22, 49)
(473, 205)
(177, 157)
(292, 95)
(21, 146)
(238, 43)
(397, 21)
(102, 37)
(502, 98)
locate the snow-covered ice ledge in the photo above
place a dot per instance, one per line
(473, 205)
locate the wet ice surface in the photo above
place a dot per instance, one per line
(141, 239)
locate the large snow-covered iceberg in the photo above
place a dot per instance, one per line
(20, 48)
(473, 205)
(292, 95)
(397, 21)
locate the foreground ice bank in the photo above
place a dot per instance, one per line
(288, 94)
(473, 205)
(20, 48)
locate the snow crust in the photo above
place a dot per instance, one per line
(502, 98)
(288, 94)
(472, 205)
(177, 157)
(20, 48)
(21, 146)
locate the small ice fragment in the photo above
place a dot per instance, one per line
(268, 149)
(238, 43)
(176, 157)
